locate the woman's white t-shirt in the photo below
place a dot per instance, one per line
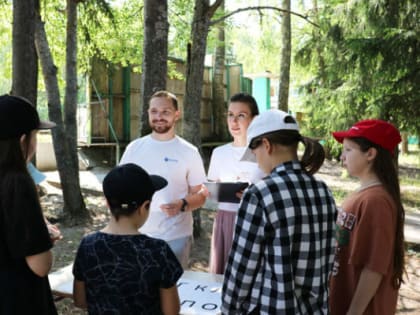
(226, 166)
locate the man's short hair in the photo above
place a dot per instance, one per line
(167, 95)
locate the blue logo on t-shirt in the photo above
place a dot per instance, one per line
(166, 159)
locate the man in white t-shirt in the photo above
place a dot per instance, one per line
(164, 153)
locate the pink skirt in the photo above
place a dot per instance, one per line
(221, 240)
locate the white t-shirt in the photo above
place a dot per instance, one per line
(180, 163)
(226, 166)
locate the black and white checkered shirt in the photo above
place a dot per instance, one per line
(283, 247)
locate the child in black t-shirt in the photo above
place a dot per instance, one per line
(25, 243)
(118, 269)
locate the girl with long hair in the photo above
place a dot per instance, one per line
(369, 261)
(25, 239)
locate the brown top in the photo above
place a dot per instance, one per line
(366, 228)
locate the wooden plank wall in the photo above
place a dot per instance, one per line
(105, 77)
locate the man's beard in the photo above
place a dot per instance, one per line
(161, 128)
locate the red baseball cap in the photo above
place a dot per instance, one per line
(377, 131)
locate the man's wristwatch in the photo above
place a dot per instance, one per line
(184, 204)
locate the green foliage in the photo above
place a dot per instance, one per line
(111, 34)
(5, 50)
(180, 16)
(116, 34)
(257, 48)
(364, 62)
(53, 13)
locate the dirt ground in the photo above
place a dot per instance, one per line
(64, 250)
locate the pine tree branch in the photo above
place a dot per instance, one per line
(258, 8)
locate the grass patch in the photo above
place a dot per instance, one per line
(412, 158)
(339, 194)
(409, 174)
(410, 181)
(413, 249)
(411, 200)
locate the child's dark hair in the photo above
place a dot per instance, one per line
(12, 170)
(124, 210)
(11, 155)
(247, 99)
(386, 171)
(314, 153)
(127, 187)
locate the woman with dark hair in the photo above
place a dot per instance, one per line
(369, 263)
(226, 166)
(25, 239)
(283, 246)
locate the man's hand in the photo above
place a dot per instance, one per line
(196, 197)
(173, 208)
(204, 191)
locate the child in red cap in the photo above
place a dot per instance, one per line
(369, 260)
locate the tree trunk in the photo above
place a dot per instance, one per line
(70, 97)
(155, 55)
(70, 183)
(194, 82)
(24, 60)
(74, 205)
(219, 103)
(286, 41)
(195, 69)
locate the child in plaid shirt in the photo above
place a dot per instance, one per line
(283, 246)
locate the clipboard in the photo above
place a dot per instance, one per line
(225, 191)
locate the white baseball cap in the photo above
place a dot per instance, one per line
(267, 122)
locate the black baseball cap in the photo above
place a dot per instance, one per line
(18, 116)
(129, 185)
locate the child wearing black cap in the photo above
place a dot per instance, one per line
(25, 242)
(369, 261)
(118, 270)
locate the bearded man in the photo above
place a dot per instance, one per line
(165, 154)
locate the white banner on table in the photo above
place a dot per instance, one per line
(199, 297)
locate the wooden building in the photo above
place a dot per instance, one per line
(112, 113)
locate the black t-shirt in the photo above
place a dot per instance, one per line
(123, 274)
(22, 233)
